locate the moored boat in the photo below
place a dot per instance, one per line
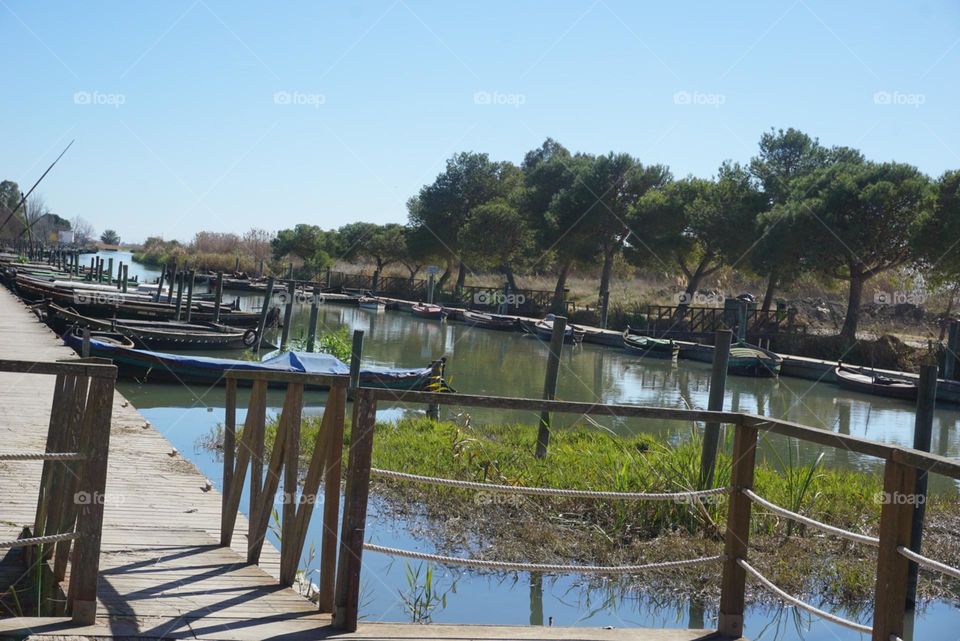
(489, 321)
(752, 360)
(428, 311)
(371, 303)
(149, 366)
(860, 379)
(543, 329)
(649, 347)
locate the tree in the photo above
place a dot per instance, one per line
(109, 237)
(784, 157)
(859, 219)
(83, 232)
(313, 246)
(698, 224)
(9, 195)
(382, 244)
(256, 243)
(496, 236)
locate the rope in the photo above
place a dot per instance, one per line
(41, 456)
(928, 563)
(801, 604)
(539, 567)
(548, 491)
(853, 536)
(39, 540)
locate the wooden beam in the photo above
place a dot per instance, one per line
(896, 516)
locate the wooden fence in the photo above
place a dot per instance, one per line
(68, 524)
(691, 322)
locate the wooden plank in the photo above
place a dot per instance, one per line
(331, 501)
(896, 517)
(64, 367)
(256, 408)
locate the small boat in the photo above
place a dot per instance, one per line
(428, 311)
(149, 366)
(371, 303)
(751, 360)
(649, 347)
(860, 379)
(543, 329)
(490, 321)
(156, 334)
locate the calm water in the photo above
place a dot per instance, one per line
(485, 362)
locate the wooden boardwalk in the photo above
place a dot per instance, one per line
(163, 573)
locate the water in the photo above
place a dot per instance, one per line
(486, 362)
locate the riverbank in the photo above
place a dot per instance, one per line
(571, 530)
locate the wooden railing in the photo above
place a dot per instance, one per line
(676, 322)
(68, 524)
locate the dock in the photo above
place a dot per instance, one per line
(163, 572)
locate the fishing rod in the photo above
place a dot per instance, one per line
(23, 199)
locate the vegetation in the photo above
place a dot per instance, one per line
(110, 237)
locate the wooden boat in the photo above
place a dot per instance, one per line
(649, 347)
(751, 360)
(428, 311)
(371, 303)
(156, 334)
(543, 329)
(490, 321)
(860, 379)
(144, 366)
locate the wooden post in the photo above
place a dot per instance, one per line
(117, 283)
(160, 278)
(736, 540)
(922, 436)
(314, 314)
(604, 308)
(229, 450)
(95, 445)
(190, 286)
(110, 271)
(741, 321)
(953, 344)
(256, 413)
(289, 537)
(99, 270)
(85, 345)
(896, 517)
(355, 511)
(550, 382)
(93, 269)
(430, 287)
(173, 278)
(331, 498)
(288, 313)
(718, 381)
(180, 282)
(126, 277)
(355, 353)
(264, 311)
(218, 298)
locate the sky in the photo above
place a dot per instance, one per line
(206, 115)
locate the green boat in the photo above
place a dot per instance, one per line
(649, 347)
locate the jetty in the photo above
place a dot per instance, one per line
(162, 570)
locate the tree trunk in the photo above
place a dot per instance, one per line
(768, 295)
(508, 274)
(444, 277)
(557, 306)
(608, 254)
(849, 330)
(461, 275)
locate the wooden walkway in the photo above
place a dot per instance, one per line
(163, 573)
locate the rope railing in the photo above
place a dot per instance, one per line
(929, 563)
(549, 491)
(41, 456)
(799, 518)
(540, 567)
(38, 540)
(853, 625)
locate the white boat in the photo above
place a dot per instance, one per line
(373, 304)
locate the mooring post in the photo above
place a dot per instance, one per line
(718, 382)
(288, 313)
(218, 298)
(264, 312)
(99, 270)
(126, 277)
(550, 382)
(160, 279)
(173, 279)
(741, 321)
(110, 271)
(314, 315)
(430, 286)
(604, 309)
(356, 351)
(193, 275)
(180, 294)
(119, 275)
(922, 435)
(953, 343)
(85, 345)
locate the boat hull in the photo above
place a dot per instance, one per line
(858, 382)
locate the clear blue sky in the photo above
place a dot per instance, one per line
(374, 96)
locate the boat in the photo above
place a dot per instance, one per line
(490, 321)
(371, 303)
(428, 311)
(751, 360)
(156, 334)
(543, 329)
(649, 347)
(149, 366)
(860, 379)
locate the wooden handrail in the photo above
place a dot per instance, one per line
(330, 380)
(71, 368)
